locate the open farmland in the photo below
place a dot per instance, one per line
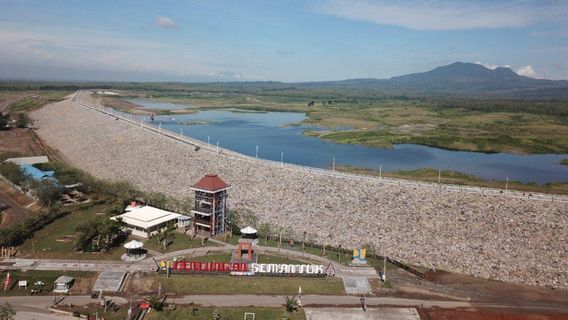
(503, 238)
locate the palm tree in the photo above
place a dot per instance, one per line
(291, 304)
(155, 303)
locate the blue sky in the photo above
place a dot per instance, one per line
(288, 41)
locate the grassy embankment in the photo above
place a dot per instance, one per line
(564, 162)
(26, 101)
(453, 177)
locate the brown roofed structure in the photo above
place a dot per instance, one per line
(211, 182)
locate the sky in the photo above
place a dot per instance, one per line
(290, 41)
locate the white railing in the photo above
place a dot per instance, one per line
(139, 121)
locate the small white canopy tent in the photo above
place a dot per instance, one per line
(249, 233)
(133, 246)
(249, 230)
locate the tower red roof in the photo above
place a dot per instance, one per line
(211, 182)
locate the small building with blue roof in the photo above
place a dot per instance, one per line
(37, 174)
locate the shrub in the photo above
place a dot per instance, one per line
(12, 172)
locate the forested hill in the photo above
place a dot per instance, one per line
(458, 79)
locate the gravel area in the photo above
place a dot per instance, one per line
(503, 238)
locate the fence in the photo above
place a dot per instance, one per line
(129, 118)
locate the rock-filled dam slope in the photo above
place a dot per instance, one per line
(515, 240)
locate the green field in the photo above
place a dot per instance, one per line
(229, 313)
(178, 240)
(82, 281)
(195, 284)
(57, 239)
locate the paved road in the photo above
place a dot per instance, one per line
(41, 303)
(309, 300)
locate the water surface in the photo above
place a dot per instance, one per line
(271, 132)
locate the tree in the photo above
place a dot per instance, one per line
(291, 304)
(155, 303)
(22, 120)
(3, 121)
(99, 234)
(7, 312)
(264, 231)
(12, 172)
(47, 191)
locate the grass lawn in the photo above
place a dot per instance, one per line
(49, 242)
(181, 284)
(180, 241)
(236, 313)
(83, 281)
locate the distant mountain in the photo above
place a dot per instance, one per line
(460, 78)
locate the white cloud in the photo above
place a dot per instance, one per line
(234, 75)
(165, 22)
(491, 66)
(526, 71)
(446, 14)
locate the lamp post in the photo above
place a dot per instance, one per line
(256, 155)
(282, 158)
(333, 165)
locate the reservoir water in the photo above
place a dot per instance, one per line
(242, 131)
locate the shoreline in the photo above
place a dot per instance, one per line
(386, 139)
(448, 228)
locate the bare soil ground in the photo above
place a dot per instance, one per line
(20, 205)
(448, 286)
(479, 314)
(496, 291)
(22, 142)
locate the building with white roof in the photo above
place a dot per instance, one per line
(145, 220)
(28, 160)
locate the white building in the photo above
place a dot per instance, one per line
(28, 160)
(145, 220)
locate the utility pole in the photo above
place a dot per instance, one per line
(208, 140)
(384, 268)
(217, 146)
(439, 176)
(380, 171)
(333, 165)
(507, 185)
(282, 158)
(256, 155)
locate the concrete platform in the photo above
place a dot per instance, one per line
(357, 285)
(359, 314)
(110, 281)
